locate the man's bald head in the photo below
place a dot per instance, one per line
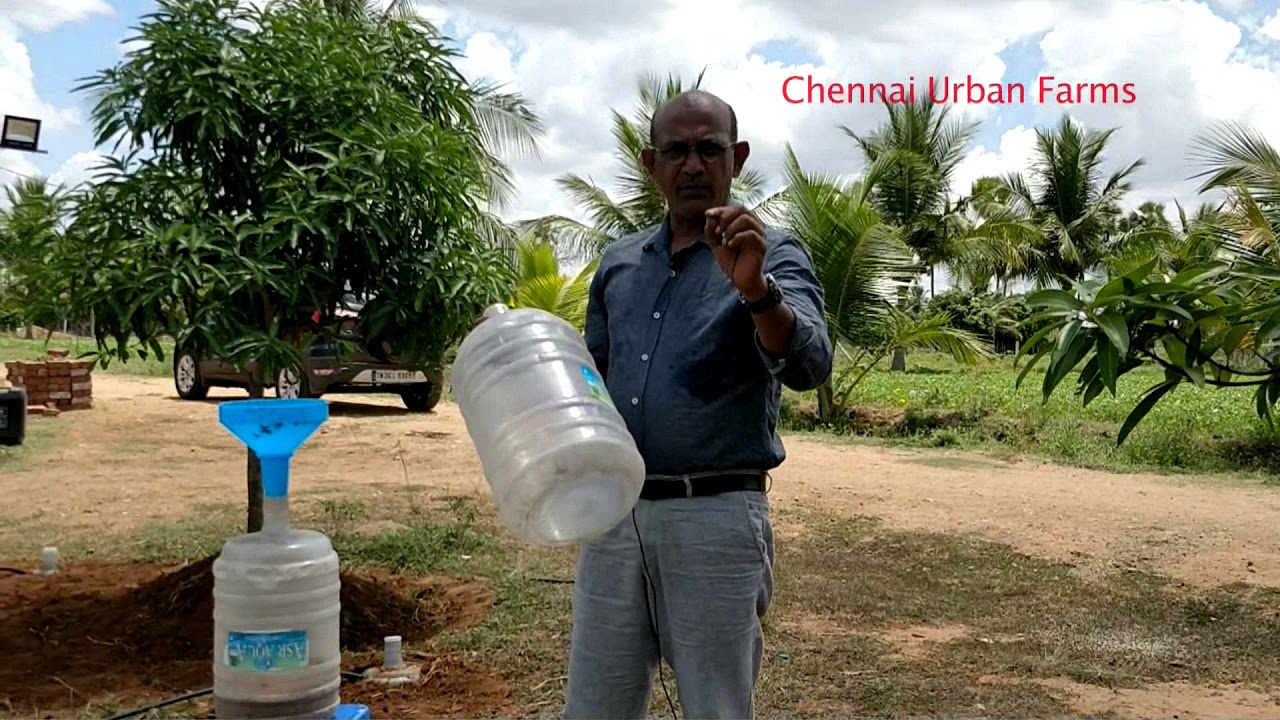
(694, 155)
(699, 100)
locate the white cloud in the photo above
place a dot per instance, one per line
(131, 43)
(77, 169)
(17, 90)
(45, 15)
(1014, 154)
(1185, 61)
(433, 13)
(15, 165)
(1198, 79)
(1271, 27)
(576, 62)
(620, 16)
(486, 57)
(18, 95)
(1233, 6)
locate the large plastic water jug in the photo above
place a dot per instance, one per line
(276, 596)
(561, 465)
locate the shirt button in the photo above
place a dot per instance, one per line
(657, 315)
(635, 401)
(645, 357)
(673, 273)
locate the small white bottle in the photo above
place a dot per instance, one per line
(49, 561)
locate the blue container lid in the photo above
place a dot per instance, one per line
(351, 712)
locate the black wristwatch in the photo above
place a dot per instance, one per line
(771, 299)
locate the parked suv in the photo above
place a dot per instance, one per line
(329, 368)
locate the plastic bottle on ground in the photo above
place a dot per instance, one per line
(276, 592)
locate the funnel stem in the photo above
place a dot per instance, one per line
(275, 475)
(275, 514)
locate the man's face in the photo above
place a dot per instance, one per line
(693, 160)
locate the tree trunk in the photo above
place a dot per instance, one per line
(254, 523)
(254, 472)
(899, 362)
(826, 401)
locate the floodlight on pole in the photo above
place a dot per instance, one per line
(21, 133)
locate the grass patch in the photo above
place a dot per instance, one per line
(936, 404)
(16, 348)
(190, 539)
(41, 433)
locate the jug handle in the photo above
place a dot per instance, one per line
(491, 311)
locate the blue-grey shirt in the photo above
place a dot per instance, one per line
(681, 357)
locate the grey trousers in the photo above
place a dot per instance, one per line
(707, 568)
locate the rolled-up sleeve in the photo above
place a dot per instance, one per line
(807, 362)
(596, 327)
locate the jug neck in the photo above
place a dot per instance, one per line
(275, 515)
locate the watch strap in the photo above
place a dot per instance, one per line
(771, 299)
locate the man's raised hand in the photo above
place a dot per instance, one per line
(737, 239)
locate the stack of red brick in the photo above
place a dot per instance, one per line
(57, 382)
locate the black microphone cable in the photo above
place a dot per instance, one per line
(653, 614)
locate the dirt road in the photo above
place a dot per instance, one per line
(142, 454)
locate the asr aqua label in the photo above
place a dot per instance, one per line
(267, 651)
(596, 386)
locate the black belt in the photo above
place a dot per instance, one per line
(698, 486)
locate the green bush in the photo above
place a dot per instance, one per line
(1001, 319)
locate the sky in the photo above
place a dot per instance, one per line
(1190, 64)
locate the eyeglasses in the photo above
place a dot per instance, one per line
(709, 150)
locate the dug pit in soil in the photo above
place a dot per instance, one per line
(134, 634)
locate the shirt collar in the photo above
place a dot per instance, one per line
(660, 240)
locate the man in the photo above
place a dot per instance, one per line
(695, 325)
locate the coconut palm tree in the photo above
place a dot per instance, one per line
(860, 261)
(991, 241)
(911, 160)
(541, 285)
(1243, 165)
(1067, 195)
(1200, 237)
(640, 203)
(32, 226)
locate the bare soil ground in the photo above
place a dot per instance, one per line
(1203, 531)
(142, 630)
(142, 456)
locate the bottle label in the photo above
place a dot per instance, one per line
(596, 386)
(267, 651)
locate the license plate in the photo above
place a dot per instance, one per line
(393, 376)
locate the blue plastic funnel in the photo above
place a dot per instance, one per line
(273, 430)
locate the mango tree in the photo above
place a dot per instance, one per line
(1215, 322)
(266, 162)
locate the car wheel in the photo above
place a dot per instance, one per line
(290, 386)
(425, 397)
(187, 379)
